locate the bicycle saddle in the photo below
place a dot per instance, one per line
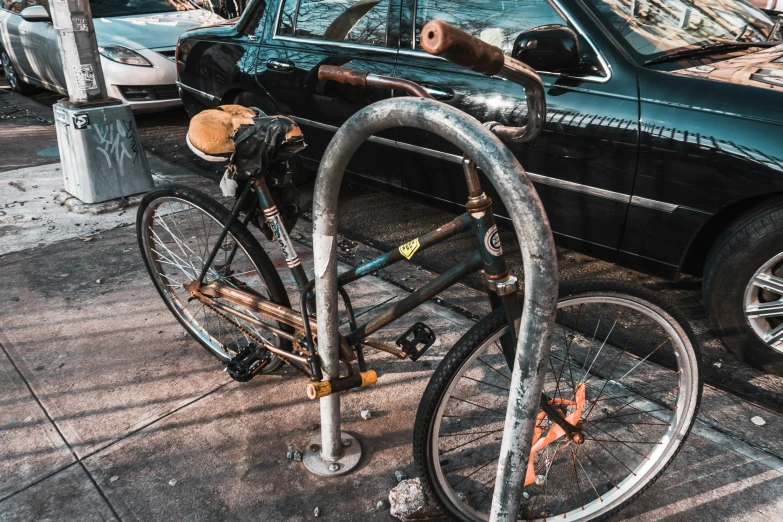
(248, 137)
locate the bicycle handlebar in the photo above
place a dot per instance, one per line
(366, 79)
(440, 39)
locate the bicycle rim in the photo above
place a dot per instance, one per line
(177, 237)
(640, 396)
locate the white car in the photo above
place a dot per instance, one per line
(136, 39)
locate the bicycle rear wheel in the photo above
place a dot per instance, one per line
(623, 367)
(176, 228)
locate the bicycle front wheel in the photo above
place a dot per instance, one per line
(177, 227)
(623, 368)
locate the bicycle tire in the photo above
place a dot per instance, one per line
(446, 379)
(238, 233)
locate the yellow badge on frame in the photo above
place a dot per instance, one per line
(408, 249)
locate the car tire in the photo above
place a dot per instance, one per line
(742, 271)
(16, 83)
(300, 174)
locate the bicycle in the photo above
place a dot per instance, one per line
(600, 380)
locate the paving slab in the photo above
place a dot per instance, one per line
(90, 334)
(31, 447)
(67, 496)
(227, 453)
(36, 211)
(708, 482)
(166, 435)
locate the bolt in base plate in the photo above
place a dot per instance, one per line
(352, 454)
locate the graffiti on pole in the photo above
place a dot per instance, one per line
(116, 142)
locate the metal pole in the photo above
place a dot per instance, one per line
(100, 150)
(72, 19)
(535, 239)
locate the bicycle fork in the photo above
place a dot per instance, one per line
(502, 285)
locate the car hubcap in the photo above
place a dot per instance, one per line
(9, 70)
(764, 303)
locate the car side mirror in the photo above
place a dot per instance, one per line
(551, 48)
(35, 13)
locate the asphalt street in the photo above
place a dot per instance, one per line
(164, 134)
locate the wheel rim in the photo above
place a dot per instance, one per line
(10, 74)
(763, 304)
(177, 236)
(664, 405)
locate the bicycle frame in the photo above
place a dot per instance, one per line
(488, 258)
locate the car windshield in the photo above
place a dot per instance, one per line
(110, 8)
(655, 28)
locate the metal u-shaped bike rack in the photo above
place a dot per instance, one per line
(539, 261)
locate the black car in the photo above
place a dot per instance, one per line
(662, 151)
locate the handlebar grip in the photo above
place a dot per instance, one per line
(441, 39)
(343, 75)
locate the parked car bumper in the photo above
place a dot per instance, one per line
(145, 89)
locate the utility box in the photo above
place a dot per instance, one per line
(101, 152)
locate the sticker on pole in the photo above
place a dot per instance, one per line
(60, 115)
(85, 77)
(79, 24)
(492, 241)
(408, 249)
(81, 121)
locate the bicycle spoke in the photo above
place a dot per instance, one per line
(630, 363)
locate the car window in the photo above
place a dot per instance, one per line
(44, 3)
(356, 21)
(251, 18)
(112, 8)
(15, 6)
(656, 28)
(497, 22)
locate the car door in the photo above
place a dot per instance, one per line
(583, 162)
(357, 34)
(39, 41)
(10, 34)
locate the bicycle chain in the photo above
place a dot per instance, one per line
(247, 333)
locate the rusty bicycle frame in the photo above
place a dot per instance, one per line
(525, 347)
(488, 259)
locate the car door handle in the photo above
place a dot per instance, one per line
(439, 93)
(277, 65)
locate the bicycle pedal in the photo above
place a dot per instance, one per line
(247, 363)
(416, 340)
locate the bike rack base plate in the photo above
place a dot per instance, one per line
(352, 454)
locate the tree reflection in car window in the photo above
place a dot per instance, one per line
(357, 21)
(655, 28)
(44, 3)
(15, 6)
(112, 8)
(497, 22)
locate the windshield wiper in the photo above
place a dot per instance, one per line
(707, 50)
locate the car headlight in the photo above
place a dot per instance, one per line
(119, 54)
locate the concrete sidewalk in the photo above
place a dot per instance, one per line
(109, 411)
